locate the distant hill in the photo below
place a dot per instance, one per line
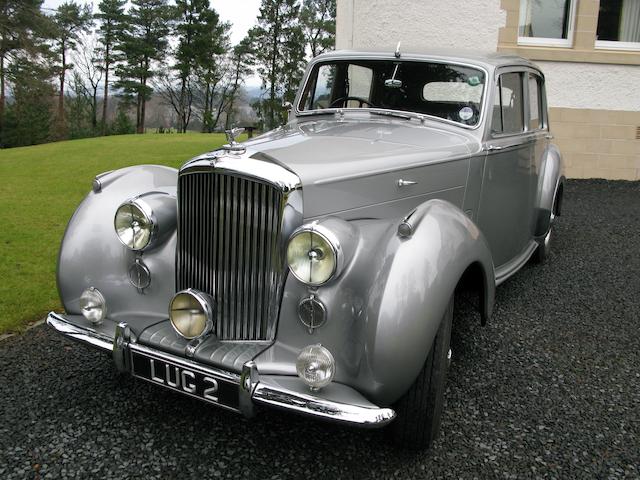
(253, 92)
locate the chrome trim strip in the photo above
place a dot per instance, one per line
(258, 390)
(319, 407)
(79, 334)
(505, 271)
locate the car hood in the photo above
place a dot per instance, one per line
(335, 159)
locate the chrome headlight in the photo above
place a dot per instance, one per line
(134, 224)
(93, 305)
(313, 254)
(191, 313)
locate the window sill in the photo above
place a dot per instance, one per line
(555, 54)
(543, 42)
(618, 46)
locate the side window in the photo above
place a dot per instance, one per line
(508, 115)
(535, 103)
(360, 79)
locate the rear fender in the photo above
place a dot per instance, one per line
(551, 179)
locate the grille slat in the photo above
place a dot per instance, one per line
(229, 247)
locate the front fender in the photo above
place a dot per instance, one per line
(550, 178)
(92, 255)
(420, 278)
(385, 308)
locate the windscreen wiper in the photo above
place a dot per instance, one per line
(320, 111)
(386, 113)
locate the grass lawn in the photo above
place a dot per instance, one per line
(40, 187)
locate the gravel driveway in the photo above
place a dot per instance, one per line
(550, 388)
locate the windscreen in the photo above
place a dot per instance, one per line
(449, 91)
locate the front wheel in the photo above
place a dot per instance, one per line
(419, 409)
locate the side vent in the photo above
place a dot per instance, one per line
(637, 133)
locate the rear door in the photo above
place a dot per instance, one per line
(508, 187)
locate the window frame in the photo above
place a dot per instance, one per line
(549, 42)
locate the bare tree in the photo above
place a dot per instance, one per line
(178, 94)
(88, 62)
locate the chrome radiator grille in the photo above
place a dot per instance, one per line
(229, 247)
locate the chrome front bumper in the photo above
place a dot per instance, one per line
(254, 389)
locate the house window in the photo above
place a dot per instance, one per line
(546, 22)
(619, 25)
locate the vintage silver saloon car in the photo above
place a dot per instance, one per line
(313, 268)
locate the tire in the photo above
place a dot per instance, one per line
(419, 409)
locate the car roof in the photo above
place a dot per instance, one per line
(489, 61)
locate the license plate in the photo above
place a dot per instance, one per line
(190, 381)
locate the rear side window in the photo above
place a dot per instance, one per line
(360, 79)
(508, 114)
(535, 103)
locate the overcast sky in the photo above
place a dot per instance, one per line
(241, 13)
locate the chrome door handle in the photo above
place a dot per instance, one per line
(493, 148)
(548, 136)
(405, 183)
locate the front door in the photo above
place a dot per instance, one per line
(505, 214)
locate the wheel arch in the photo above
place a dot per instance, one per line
(550, 184)
(475, 279)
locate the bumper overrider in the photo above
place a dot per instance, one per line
(240, 393)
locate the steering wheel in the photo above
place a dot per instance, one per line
(348, 98)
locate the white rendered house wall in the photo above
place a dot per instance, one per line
(474, 25)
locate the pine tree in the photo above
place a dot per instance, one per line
(28, 117)
(241, 63)
(69, 21)
(144, 42)
(111, 16)
(318, 20)
(21, 29)
(201, 38)
(278, 48)
(211, 68)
